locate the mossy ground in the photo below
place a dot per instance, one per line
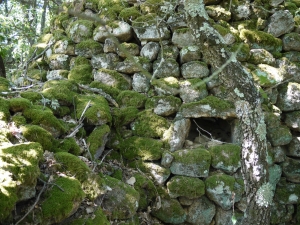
(4, 109)
(4, 85)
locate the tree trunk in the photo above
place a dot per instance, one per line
(2, 68)
(43, 19)
(243, 91)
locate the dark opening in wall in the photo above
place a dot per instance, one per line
(212, 128)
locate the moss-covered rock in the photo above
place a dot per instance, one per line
(88, 48)
(226, 157)
(145, 148)
(163, 105)
(170, 211)
(97, 140)
(131, 98)
(35, 133)
(260, 39)
(166, 86)
(98, 113)
(124, 116)
(45, 118)
(189, 187)
(79, 61)
(220, 188)
(4, 109)
(146, 189)
(209, 107)
(80, 30)
(97, 217)
(192, 162)
(280, 135)
(111, 78)
(62, 200)
(64, 91)
(129, 14)
(121, 202)
(148, 124)
(114, 92)
(192, 90)
(66, 145)
(125, 49)
(31, 96)
(287, 193)
(81, 74)
(19, 168)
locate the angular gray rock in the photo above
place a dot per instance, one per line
(194, 69)
(150, 50)
(281, 22)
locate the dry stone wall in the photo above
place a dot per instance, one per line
(134, 127)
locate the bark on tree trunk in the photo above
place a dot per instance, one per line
(242, 89)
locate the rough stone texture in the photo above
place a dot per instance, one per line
(123, 32)
(292, 120)
(278, 153)
(193, 163)
(150, 50)
(120, 199)
(287, 193)
(177, 133)
(192, 90)
(106, 61)
(194, 69)
(170, 211)
(281, 22)
(201, 212)
(280, 135)
(294, 147)
(291, 169)
(291, 42)
(183, 37)
(289, 97)
(89, 51)
(163, 105)
(159, 174)
(59, 62)
(261, 56)
(217, 12)
(219, 189)
(267, 76)
(109, 46)
(190, 53)
(224, 217)
(150, 32)
(281, 213)
(166, 159)
(166, 68)
(140, 83)
(131, 67)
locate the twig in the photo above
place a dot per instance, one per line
(83, 112)
(101, 160)
(60, 188)
(75, 131)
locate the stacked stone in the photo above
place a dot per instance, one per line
(146, 59)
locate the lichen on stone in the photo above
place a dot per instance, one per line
(264, 195)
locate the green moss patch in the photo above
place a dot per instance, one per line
(260, 39)
(122, 201)
(98, 113)
(146, 189)
(45, 119)
(188, 187)
(81, 74)
(145, 148)
(124, 116)
(63, 90)
(37, 134)
(66, 145)
(129, 14)
(112, 78)
(73, 165)
(194, 163)
(148, 124)
(60, 204)
(19, 169)
(226, 157)
(4, 109)
(80, 61)
(31, 96)
(97, 217)
(4, 85)
(114, 92)
(37, 74)
(131, 98)
(97, 140)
